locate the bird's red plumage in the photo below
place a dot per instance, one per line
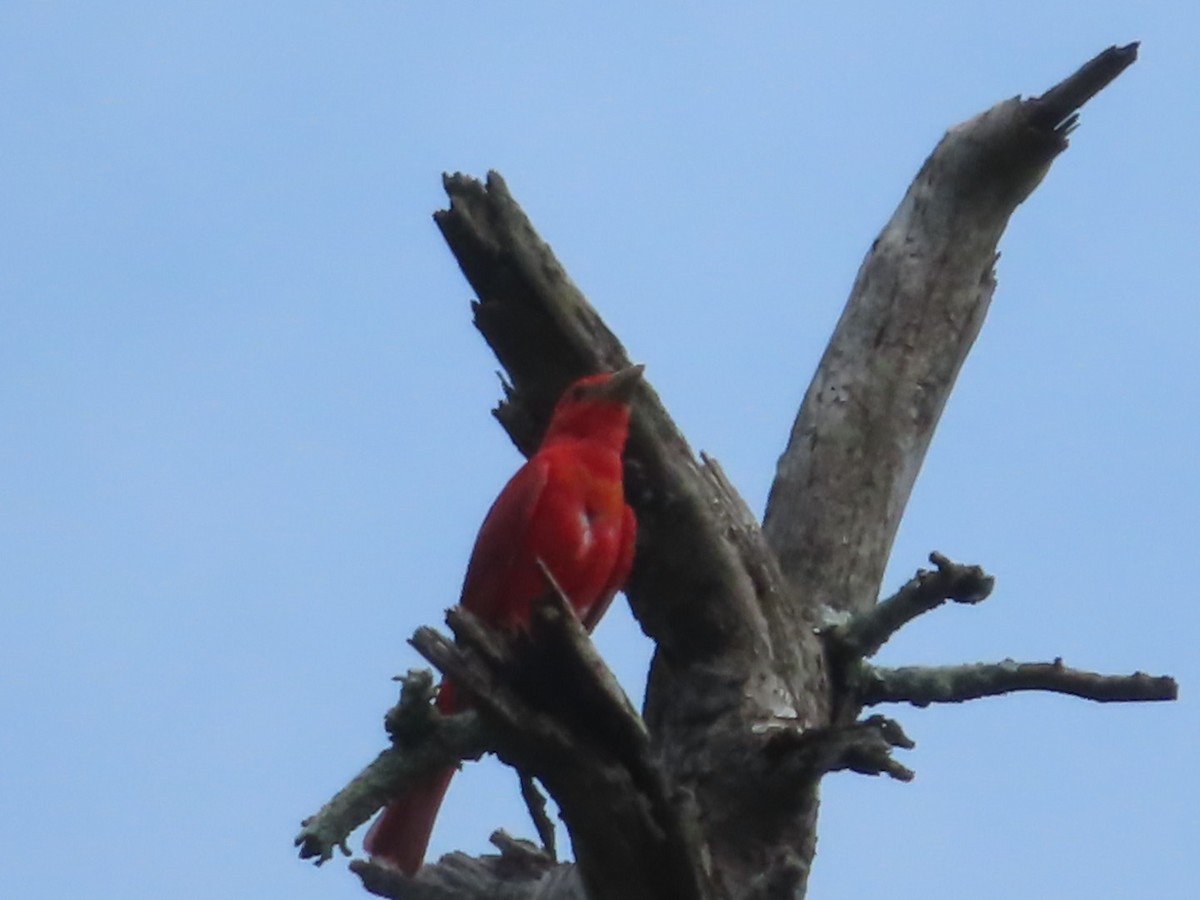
(565, 507)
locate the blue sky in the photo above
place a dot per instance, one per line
(246, 438)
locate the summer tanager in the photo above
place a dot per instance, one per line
(565, 507)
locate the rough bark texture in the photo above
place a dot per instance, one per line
(915, 309)
(733, 652)
(751, 698)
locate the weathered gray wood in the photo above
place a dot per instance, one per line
(511, 875)
(744, 712)
(425, 742)
(914, 311)
(923, 685)
(705, 586)
(587, 745)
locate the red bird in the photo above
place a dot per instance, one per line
(566, 507)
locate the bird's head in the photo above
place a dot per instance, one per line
(596, 407)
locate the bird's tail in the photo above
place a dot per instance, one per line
(401, 833)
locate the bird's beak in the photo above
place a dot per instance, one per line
(622, 385)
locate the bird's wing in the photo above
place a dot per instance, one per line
(502, 537)
(620, 571)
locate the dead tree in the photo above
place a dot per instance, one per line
(763, 634)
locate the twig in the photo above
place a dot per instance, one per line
(535, 802)
(864, 747)
(923, 685)
(865, 633)
(521, 853)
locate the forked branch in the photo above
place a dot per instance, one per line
(852, 641)
(864, 747)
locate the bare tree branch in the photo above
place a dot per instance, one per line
(519, 872)
(423, 741)
(864, 747)
(555, 712)
(535, 802)
(916, 306)
(865, 633)
(923, 685)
